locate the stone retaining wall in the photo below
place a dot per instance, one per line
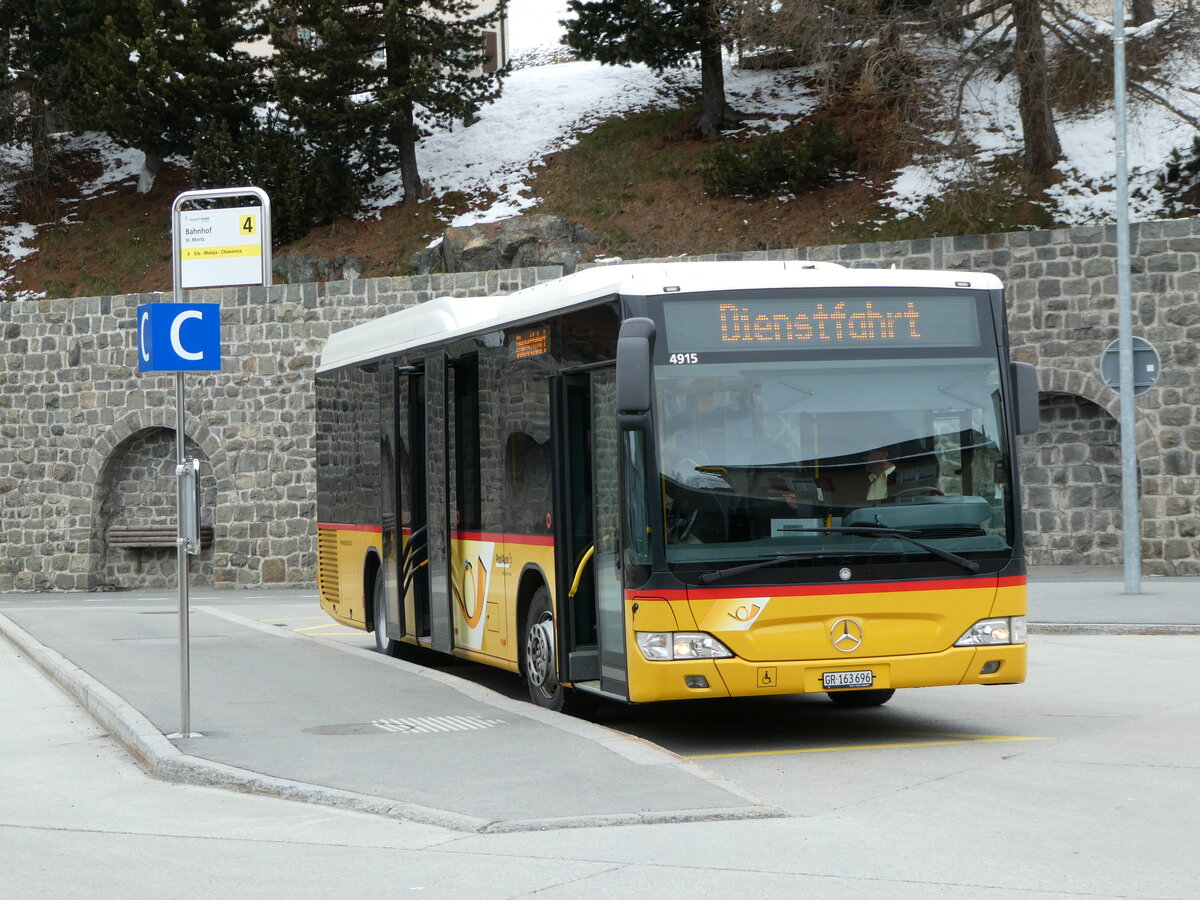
(84, 443)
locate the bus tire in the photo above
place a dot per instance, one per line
(383, 643)
(860, 699)
(539, 662)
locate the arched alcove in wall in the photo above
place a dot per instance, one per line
(1071, 484)
(138, 487)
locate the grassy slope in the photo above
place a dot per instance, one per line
(635, 182)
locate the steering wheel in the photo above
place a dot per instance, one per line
(682, 527)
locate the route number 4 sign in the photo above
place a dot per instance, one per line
(220, 247)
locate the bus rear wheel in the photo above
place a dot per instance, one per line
(540, 660)
(860, 699)
(383, 643)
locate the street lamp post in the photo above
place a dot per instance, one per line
(1131, 516)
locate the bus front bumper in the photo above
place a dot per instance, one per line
(688, 679)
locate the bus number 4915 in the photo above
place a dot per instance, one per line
(683, 358)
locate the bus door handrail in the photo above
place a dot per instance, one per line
(587, 556)
(410, 549)
(408, 580)
(408, 563)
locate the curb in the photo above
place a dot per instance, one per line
(634, 749)
(1080, 628)
(163, 760)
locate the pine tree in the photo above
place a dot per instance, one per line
(159, 70)
(434, 53)
(661, 34)
(35, 82)
(322, 60)
(361, 78)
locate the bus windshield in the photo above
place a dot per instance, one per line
(830, 459)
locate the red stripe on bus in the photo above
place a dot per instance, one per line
(500, 537)
(335, 526)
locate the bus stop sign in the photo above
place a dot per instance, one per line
(179, 337)
(1147, 366)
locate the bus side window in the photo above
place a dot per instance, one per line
(528, 471)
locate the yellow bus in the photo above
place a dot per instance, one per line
(652, 482)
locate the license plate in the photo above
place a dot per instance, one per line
(860, 679)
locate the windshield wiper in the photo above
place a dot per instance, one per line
(718, 574)
(882, 531)
(871, 530)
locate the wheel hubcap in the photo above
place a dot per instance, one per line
(539, 655)
(380, 621)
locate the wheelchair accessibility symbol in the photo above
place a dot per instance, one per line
(768, 677)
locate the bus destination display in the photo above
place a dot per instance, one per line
(826, 323)
(533, 342)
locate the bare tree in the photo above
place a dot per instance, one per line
(869, 52)
(1042, 149)
(1143, 11)
(853, 48)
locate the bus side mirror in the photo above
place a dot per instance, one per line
(1025, 392)
(635, 351)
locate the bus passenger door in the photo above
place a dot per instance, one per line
(412, 579)
(590, 617)
(424, 562)
(436, 502)
(478, 596)
(392, 463)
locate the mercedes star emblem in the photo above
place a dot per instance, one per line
(846, 635)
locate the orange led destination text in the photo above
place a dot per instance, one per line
(740, 323)
(532, 343)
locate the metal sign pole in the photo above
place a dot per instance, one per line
(185, 675)
(1131, 515)
(252, 232)
(181, 550)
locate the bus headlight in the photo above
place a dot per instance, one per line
(988, 632)
(658, 645)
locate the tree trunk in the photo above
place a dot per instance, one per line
(151, 168)
(1042, 148)
(402, 129)
(40, 152)
(715, 111)
(406, 146)
(1143, 11)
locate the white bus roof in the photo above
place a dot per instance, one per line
(448, 318)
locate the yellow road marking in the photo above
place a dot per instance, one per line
(957, 739)
(318, 628)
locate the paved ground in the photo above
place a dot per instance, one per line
(1071, 600)
(284, 714)
(1096, 800)
(287, 714)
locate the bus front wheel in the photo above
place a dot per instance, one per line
(540, 662)
(860, 699)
